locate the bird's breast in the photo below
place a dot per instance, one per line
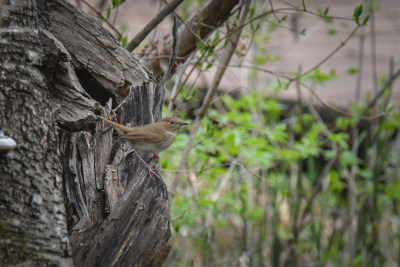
(169, 138)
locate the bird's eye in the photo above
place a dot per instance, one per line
(172, 122)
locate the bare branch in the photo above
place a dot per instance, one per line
(152, 24)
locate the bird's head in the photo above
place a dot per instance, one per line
(172, 124)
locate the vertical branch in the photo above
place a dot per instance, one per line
(174, 93)
(160, 86)
(352, 190)
(360, 64)
(249, 225)
(373, 47)
(352, 198)
(295, 171)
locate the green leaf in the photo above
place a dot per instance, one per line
(323, 14)
(256, 214)
(251, 13)
(331, 32)
(328, 154)
(273, 109)
(209, 64)
(124, 40)
(219, 224)
(335, 184)
(341, 139)
(393, 189)
(278, 133)
(319, 77)
(108, 13)
(289, 155)
(365, 174)
(357, 13)
(205, 202)
(260, 60)
(352, 70)
(365, 20)
(347, 158)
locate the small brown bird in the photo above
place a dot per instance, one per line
(150, 138)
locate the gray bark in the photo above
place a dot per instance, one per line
(116, 213)
(32, 222)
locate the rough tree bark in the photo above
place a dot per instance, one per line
(32, 221)
(59, 67)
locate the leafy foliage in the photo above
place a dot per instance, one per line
(261, 172)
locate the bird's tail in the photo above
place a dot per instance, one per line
(118, 126)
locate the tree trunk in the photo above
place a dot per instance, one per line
(58, 70)
(32, 222)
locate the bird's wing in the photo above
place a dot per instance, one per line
(142, 134)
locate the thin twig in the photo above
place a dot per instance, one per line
(101, 16)
(373, 47)
(187, 76)
(152, 24)
(272, 10)
(154, 33)
(158, 56)
(225, 179)
(187, 26)
(381, 90)
(362, 117)
(228, 92)
(343, 43)
(115, 15)
(289, 4)
(352, 194)
(316, 189)
(278, 10)
(360, 64)
(298, 91)
(391, 70)
(177, 81)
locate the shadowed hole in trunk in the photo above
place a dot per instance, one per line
(95, 89)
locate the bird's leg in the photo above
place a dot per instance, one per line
(155, 155)
(145, 165)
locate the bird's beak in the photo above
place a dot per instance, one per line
(184, 123)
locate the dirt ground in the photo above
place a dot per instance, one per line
(305, 51)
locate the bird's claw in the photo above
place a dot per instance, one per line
(155, 155)
(145, 165)
(150, 170)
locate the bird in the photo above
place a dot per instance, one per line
(150, 138)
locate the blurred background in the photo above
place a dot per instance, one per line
(295, 162)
